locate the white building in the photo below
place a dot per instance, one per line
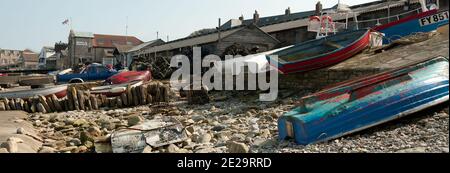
(45, 55)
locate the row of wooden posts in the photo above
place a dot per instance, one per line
(76, 99)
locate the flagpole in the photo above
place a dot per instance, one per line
(71, 25)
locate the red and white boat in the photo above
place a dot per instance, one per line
(320, 53)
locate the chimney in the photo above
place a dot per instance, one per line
(241, 18)
(318, 8)
(255, 17)
(288, 11)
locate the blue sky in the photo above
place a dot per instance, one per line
(36, 23)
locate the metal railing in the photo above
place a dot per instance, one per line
(384, 20)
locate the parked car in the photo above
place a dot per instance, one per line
(129, 76)
(93, 72)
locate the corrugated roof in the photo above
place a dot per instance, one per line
(284, 22)
(192, 41)
(83, 34)
(143, 45)
(123, 48)
(380, 6)
(199, 40)
(108, 41)
(264, 21)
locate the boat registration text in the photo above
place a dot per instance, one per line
(434, 18)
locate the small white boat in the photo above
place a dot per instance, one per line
(255, 63)
(59, 90)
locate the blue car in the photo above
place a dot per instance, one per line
(93, 72)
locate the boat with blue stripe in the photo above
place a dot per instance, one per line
(426, 21)
(359, 104)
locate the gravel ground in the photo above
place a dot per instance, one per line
(238, 124)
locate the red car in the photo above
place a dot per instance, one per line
(129, 76)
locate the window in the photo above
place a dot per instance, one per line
(91, 70)
(100, 41)
(89, 50)
(101, 70)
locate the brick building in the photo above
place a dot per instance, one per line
(99, 48)
(28, 60)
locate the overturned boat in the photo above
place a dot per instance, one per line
(366, 102)
(320, 53)
(59, 90)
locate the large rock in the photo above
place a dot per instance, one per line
(6, 101)
(75, 100)
(2, 106)
(3, 150)
(41, 108)
(70, 104)
(124, 99)
(51, 104)
(172, 149)
(12, 104)
(198, 96)
(11, 146)
(45, 149)
(81, 100)
(95, 131)
(119, 102)
(130, 95)
(236, 147)
(135, 92)
(143, 95)
(205, 138)
(413, 150)
(94, 102)
(80, 122)
(134, 120)
(21, 130)
(44, 103)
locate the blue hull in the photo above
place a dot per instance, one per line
(411, 25)
(363, 107)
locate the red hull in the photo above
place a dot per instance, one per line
(61, 94)
(129, 76)
(328, 60)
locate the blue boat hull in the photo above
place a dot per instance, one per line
(344, 114)
(411, 25)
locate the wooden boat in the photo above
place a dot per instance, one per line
(366, 102)
(59, 90)
(422, 22)
(114, 90)
(320, 53)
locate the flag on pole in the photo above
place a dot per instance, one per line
(65, 22)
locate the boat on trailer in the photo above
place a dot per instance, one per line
(359, 104)
(59, 90)
(320, 53)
